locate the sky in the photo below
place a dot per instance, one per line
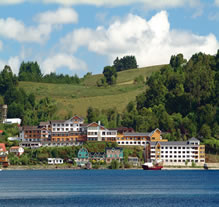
(80, 36)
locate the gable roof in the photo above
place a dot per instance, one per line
(193, 139)
(154, 131)
(94, 124)
(77, 118)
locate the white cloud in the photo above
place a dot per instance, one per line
(60, 16)
(150, 4)
(16, 30)
(52, 63)
(11, 1)
(216, 2)
(152, 42)
(13, 62)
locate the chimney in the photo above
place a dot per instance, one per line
(99, 123)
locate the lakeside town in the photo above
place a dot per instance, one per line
(75, 132)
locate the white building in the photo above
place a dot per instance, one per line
(177, 152)
(12, 121)
(55, 161)
(96, 132)
(73, 124)
(17, 150)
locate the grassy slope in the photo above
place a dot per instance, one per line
(75, 99)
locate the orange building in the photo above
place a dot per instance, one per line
(136, 138)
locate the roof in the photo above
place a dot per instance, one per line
(77, 117)
(193, 139)
(136, 134)
(155, 131)
(15, 147)
(44, 123)
(94, 124)
(2, 146)
(172, 143)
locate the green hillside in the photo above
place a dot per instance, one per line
(75, 99)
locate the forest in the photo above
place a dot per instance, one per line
(181, 99)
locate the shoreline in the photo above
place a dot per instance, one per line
(54, 167)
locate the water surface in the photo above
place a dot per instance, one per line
(45, 188)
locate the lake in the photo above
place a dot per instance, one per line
(71, 188)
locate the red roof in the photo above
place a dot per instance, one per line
(2, 145)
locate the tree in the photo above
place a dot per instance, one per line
(125, 63)
(29, 71)
(177, 61)
(7, 80)
(114, 164)
(110, 74)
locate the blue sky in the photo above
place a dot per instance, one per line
(80, 36)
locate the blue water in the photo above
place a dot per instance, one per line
(89, 188)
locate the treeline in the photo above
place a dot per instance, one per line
(20, 104)
(182, 99)
(30, 71)
(125, 63)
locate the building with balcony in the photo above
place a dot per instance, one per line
(96, 132)
(176, 152)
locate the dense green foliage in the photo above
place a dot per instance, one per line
(181, 99)
(110, 118)
(22, 105)
(30, 71)
(109, 78)
(125, 63)
(9, 130)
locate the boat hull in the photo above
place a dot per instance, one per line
(152, 168)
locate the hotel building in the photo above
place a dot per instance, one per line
(176, 152)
